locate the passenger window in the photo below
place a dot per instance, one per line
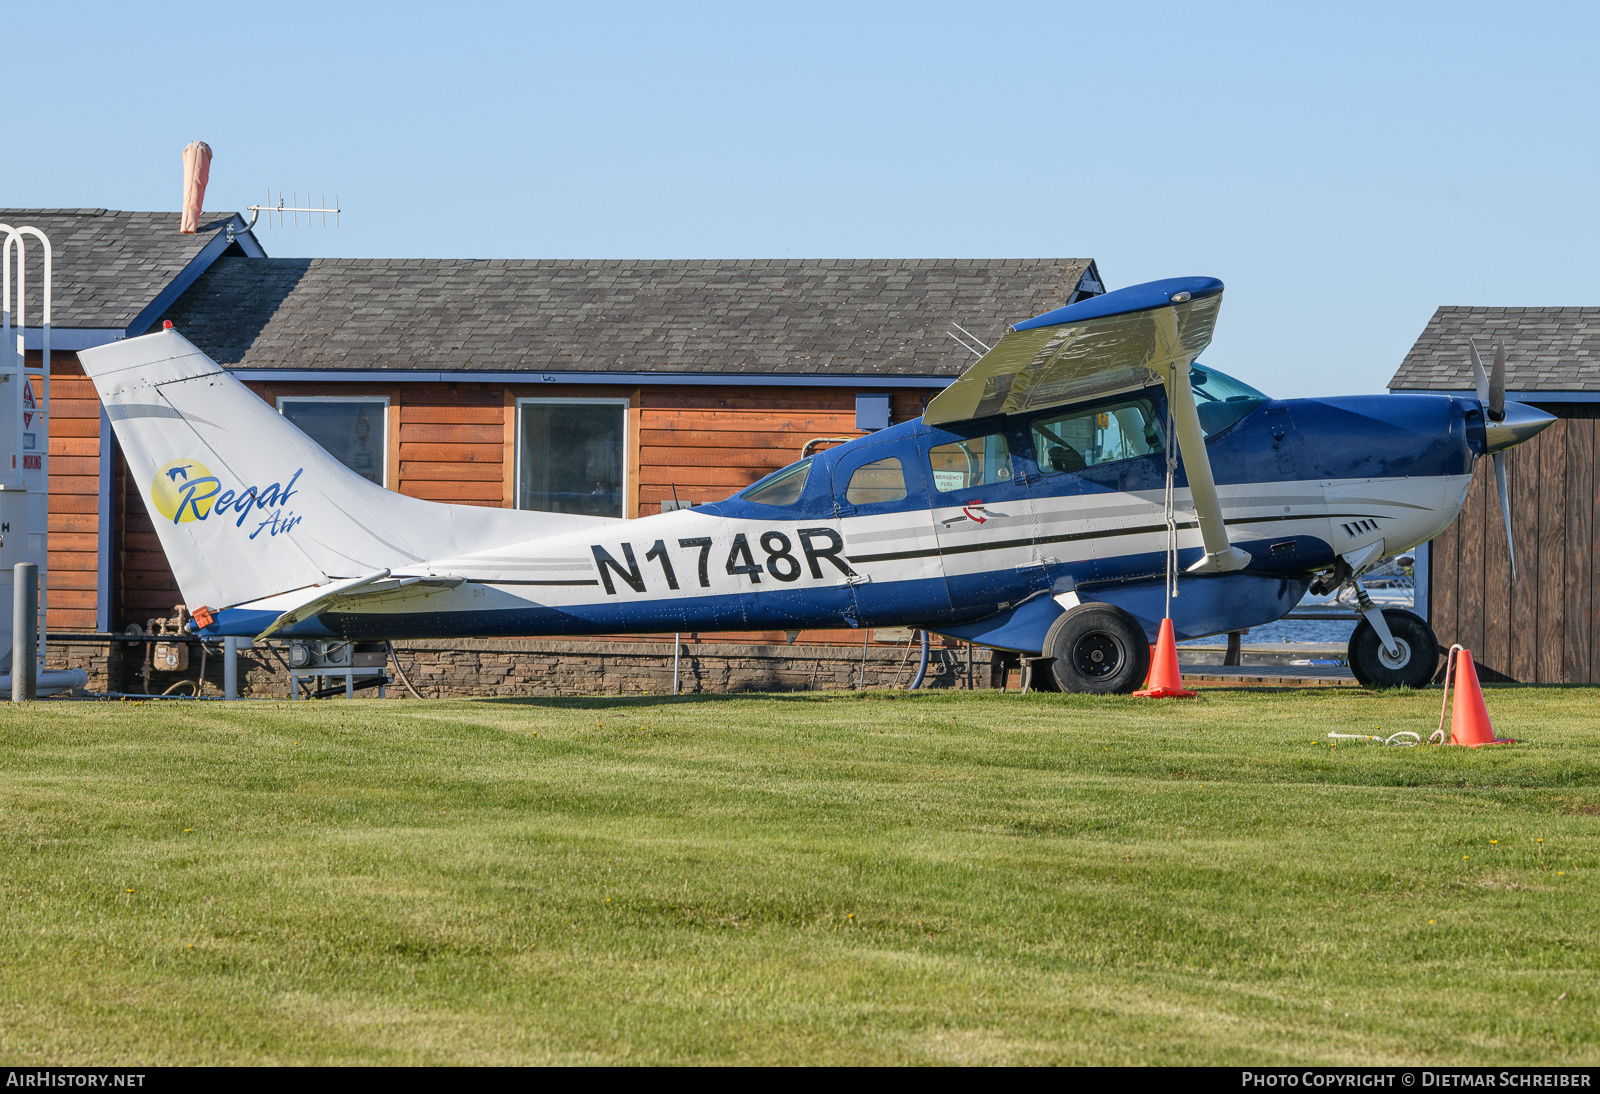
(877, 482)
(780, 487)
(1072, 442)
(980, 461)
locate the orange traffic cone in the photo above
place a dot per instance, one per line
(1165, 682)
(1469, 718)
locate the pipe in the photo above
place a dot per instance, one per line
(51, 682)
(45, 418)
(24, 630)
(230, 667)
(394, 659)
(922, 666)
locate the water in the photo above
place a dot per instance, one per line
(1388, 587)
(1321, 632)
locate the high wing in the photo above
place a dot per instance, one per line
(1121, 341)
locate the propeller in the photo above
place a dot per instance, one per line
(1492, 395)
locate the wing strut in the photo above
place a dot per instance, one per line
(1221, 556)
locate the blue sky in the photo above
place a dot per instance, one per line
(1345, 169)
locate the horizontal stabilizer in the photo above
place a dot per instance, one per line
(359, 593)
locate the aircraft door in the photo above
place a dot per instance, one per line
(981, 514)
(1088, 467)
(880, 498)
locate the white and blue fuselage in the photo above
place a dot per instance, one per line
(1301, 483)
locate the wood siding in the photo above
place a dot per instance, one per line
(74, 493)
(1542, 628)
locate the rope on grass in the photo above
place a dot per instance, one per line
(1392, 739)
(1437, 737)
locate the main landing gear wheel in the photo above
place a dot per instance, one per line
(1418, 658)
(1096, 648)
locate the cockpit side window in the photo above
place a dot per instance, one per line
(781, 488)
(1083, 438)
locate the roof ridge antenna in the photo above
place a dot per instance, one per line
(294, 207)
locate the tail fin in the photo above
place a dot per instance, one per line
(246, 505)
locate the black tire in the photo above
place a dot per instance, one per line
(1097, 648)
(1419, 652)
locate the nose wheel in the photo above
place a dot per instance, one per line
(1412, 665)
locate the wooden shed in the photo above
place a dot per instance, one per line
(1544, 627)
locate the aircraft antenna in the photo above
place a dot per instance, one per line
(964, 345)
(969, 334)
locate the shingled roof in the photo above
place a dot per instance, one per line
(1547, 349)
(111, 266)
(824, 317)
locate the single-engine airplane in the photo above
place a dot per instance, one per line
(1039, 506)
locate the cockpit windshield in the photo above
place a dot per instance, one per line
(780, 487)
(1220, 399)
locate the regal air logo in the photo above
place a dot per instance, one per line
(186, 490)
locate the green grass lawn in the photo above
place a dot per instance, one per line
(839, 878)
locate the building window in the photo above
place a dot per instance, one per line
(572, 456)
(354, 431)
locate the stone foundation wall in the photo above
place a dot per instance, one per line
(554, 667)
(97, 661)
(459, 668)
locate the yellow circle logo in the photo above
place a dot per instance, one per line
(182, 490)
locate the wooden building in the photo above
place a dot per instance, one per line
(1545, 626)
(609, 387)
